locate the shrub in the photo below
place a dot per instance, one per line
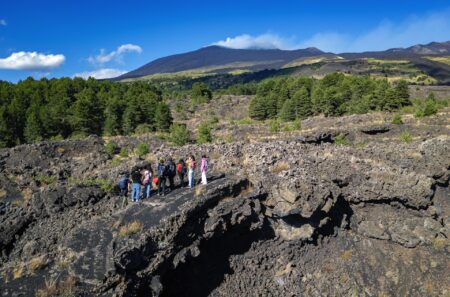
(296, 125)
(406, 137)
(130, 229)
(142, 149)
(143, 129)
(37, 263)
(44, 179)
(244, 121)
(115, 162)
(111, 148)
(274, 126)
(397, 119)
(341, 140)
(179, 134)
(280, 166)
(123, 153)
(204, 133)
(427, 108)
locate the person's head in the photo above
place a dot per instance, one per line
(181, 161)
(192, 158)
(161, 161)
(203, 156)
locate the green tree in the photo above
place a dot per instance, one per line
(179, 134)
(163, 117)
(204, 134)
(257, 108)
(200, 93)
(33, 128)
(289, 111)
(141, 150)
(86, 114)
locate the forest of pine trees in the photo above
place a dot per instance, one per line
(290, 98)
(35, 110)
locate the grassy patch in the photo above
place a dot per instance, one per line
(280, 166)
(105, 184)
(37, 263)
(346, 255)
(18, 271)
(406, 137)
(123, 153)
(44, 179)
(397, 119)
(439, 243)
(130, 229)
(443, 60)
(244, 121)
(199, 190)
(115, 162)
(3, 193)
(341, 140)
(65, 288)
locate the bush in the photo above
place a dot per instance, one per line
(427, 107)
(204, 133)
(341, 140)
(143, 129)
(44, 179)
(142, 149)
(111, 148)
(179, 134)
(274, 126)
(397, 119)
(406, 137)
(123, 153)
(130, 229)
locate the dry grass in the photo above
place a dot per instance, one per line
(280, 166)
(117, 223)
(48, 290)
(37, 263)
(67, 287)
(439, 243)
(26, 194)
(18, 271)
(199, 190)
(346, 255)
(60, 150)
(130, 229)
(2, 193)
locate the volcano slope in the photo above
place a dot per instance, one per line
(297, 215)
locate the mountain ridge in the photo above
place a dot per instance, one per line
(215, 58)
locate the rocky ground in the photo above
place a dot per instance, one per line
(292, 214)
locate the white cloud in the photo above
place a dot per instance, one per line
(413, 30)
(3, 22)
(264, 41)
(100, 73)
(31, 61)
(116, 55)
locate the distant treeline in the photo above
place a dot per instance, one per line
(291, 98)
(35, 110)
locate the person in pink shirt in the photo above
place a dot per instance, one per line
(203, 169)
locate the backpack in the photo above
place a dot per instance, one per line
(162, 170)
(123, 182)
(179, 168)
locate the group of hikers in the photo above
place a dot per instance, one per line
(142, 181)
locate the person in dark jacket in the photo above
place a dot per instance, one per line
(162, 175)
(171, 172)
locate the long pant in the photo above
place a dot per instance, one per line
(161, 185)
(147, 190)
(204, 180)
(181, 178)
(123, 192)
(191, 178)
(135, 196)
(171, 184)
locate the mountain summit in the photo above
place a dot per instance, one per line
(224, 58)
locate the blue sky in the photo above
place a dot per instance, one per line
(105, 38)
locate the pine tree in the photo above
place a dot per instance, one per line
(33, 128)
(163, 117)
(257, 109)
